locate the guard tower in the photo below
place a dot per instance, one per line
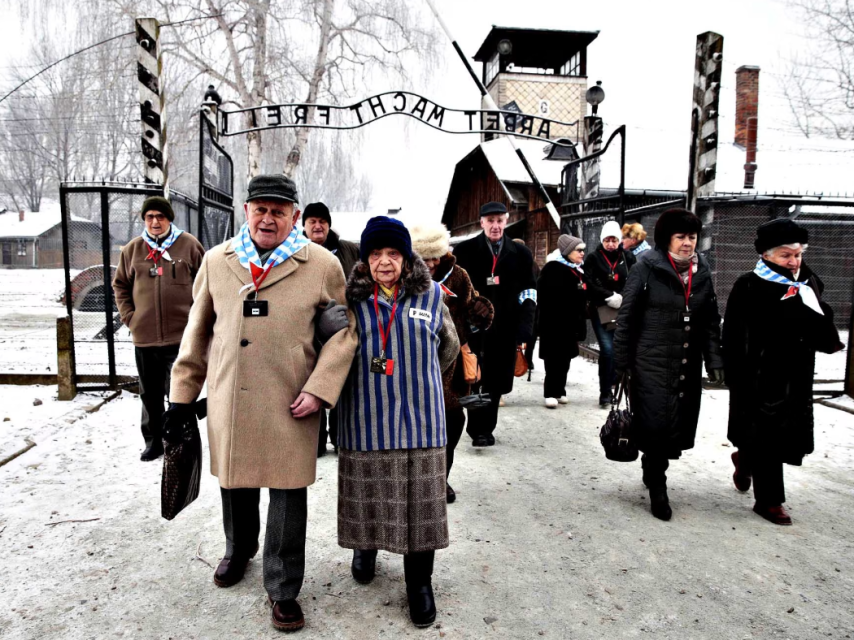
(538, 71)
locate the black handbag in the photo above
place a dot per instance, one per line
(182, 467)
(616, 435)
(475, 401)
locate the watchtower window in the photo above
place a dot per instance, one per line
(492, 68)
(572, 67)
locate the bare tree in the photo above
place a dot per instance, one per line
(819, 85)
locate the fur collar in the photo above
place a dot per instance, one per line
(360, 284)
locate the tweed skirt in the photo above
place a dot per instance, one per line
(393, 500)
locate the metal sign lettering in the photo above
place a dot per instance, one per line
(390, 103)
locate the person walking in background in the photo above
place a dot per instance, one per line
(392, 460)
(252, 337)
(532, 343)
(634, 239)
(668, 324)
(607, 270)
(562, 315)
(502, 271)
(775, 322)
(470, 312)
(317, 225)
(153, 289)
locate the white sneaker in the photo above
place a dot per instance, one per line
(563, 400)
(551, 403)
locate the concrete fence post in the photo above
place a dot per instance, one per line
(66, 375)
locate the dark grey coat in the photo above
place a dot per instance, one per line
(663, 353)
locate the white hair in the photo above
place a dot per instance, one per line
(794, 247)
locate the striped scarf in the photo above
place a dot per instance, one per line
(163, 248)
(569, 264)
(808, 296)
(248, 254)
(643, 246)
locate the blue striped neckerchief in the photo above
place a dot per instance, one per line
(643, 246)
(808, 296)
(442, 286)
(248, 254)
(569, 264)
(162, 248)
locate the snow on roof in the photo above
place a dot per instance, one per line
(35, 223)
(508, 168)
(350, 224)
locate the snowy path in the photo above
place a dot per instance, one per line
(548, 539)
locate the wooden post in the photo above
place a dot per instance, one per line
(849, 368)
(66, 372)
(152, 103)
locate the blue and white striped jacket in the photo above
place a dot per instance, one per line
(406, 409)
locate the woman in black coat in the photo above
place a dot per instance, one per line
(773, 327)
(562, 315)
(668, 324)
(607, 269)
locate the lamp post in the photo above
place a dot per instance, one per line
(592, 142)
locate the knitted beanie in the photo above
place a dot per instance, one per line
(611, 230)
(383, 232)
(431, 241)
(566, 244)
(157, 203)
(317, 210)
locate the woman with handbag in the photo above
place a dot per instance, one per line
(607, 270)
(775, 323)
(392, 436)
(470, 312)
(668, 324)
(562, 305)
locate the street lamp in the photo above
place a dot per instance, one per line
(595, 95)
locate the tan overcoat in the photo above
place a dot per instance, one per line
(256, 367)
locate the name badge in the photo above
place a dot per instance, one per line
(420, 314)
(155, 271)
(582, 286)
(254, 308)
(492, 281)
(383, 366)
(686, 317)
(614, 276)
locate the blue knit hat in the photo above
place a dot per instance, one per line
(383, 232)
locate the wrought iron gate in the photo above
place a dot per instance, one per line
(216, 188)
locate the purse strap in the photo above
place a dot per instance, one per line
(623, 388)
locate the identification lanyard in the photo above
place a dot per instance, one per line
(686, 289)
(382, 364)
(155, 255)
(612, 276)
(493, 279)
(256, 308)
(581, 284)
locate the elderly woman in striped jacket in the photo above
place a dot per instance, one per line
(392, 435)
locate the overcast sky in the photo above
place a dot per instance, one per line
(644, 56)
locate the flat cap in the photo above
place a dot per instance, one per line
(272, 187)
(492, 208)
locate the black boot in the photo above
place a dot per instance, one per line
(659, 503)
(364, 565)
(153, 450)
(418, 573)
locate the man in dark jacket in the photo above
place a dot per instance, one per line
(317, 222)
(502, 271)
(153, 289)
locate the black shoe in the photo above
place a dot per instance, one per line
(287, 615)
(480, 441)
(659, 503)
(422, 605)
(364, 565)
(152, 451)
(231, 570)
(490, 440)
(450, 493)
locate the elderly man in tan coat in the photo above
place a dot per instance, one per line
(251, 336)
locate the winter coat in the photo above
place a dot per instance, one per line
(769, 355)
(663, 353)
(155, 309)
(597, 270)
(403, 410)
(514, 321)
(460, 299)
(256, 367)
(346, 252)
(561, 310)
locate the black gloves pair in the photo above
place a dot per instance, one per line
(182, 419)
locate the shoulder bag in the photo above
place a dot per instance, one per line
(616, 435)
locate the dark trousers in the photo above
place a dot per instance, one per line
(653, 470)
(154, 365)
(284, 542)
(605, 339)
(529, 353)
(332, 423)
(482, 421)
(768, 487)
(557, 368)
(455, 420)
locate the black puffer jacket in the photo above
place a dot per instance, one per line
(769, 355)
(561, 310)
(598, 271)
(664, 354)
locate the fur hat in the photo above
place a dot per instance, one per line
(317, 210)
(566, 244)
(779, 232)
(156, 203)
(384, 232)
(611, 230)
(430, 241)
(634, 231)
(675, 221)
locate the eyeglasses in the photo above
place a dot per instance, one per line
(151, 217)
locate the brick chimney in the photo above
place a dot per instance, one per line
(21, 215)
(746, 101)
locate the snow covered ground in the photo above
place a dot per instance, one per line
(548, 539)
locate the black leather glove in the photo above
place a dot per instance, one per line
(717, 376)
(177, 420)
(332, 320)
